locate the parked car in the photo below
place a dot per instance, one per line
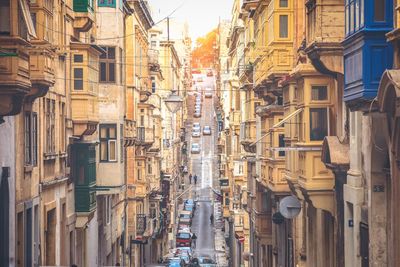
(208, 93)
(195, 148)
(183, 239)
(184, 212)
(196, 125)
(197, 109)
(200, 79)
(206, 130)
(183, 228)
(188, 250)
(196, 133)
(197, 114)
(175, 262)
(206, 261)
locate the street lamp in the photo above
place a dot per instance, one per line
(173, 102)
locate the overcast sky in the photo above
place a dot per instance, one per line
(201, 15)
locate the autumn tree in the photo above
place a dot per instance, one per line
(204, 54)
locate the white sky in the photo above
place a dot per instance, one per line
(201, 15)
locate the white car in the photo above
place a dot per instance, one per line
(195, 148)
(206, 130)
(196, 133)
(208, 93)
(196, 125)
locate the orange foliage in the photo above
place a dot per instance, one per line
(204, 54)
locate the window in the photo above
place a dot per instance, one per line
(153, 44)
(48, 21)
(318, 123)
(379, 10)
(139, 170)
(78, 58)
(78, 78)
(354, 15)
(121, 67)
(107, 65)
(319, 93)
(106, 3)
(31, 133)
(108, 143)
(5, 20)
(62, 127)
(311, 19)
(153, 85)
(50, 125)
(281, 144)
(283, 3)
(283, 26)
(121, 133)
(107, 209)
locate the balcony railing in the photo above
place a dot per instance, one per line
(130, 132)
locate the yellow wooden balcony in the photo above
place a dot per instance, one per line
(262, 223)
(248, 135)
(145, 136)
(15, 82)
(84, 92)
(41, 70)
(313, 175)
(234, 118)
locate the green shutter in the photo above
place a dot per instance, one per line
(81, 5)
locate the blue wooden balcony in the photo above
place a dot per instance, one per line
(367, 54)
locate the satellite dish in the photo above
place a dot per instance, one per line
(289, 207)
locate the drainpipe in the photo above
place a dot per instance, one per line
(339, 77)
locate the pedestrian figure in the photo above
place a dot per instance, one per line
(194, 238)
(211, 218)
(190, 178)
(195, 179)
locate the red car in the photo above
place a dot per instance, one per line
(183, 239)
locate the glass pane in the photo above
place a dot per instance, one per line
(78, 84)
(112, 133)
(103, 72)
(5, 20)
(78, 58)
(379, 7)
(357, 15)
(318, 124)
(361, 13)
(283, 26)
(103, 132)
(111, 73)
(78, 73)
(103, 150)
(319, 93)
(104, 55)
(351, 19)
(111, 52)
(112, 149)
(283, 3)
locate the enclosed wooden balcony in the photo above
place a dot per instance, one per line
(145, 136)
(234, 118)
(248, 135)
(15, 81)
(41, 71)
(262, 223)
(84, 176)
(84, 93)
(84, 14)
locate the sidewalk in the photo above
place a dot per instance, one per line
(220, 245)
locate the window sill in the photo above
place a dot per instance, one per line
(62, 154)
(50, 156)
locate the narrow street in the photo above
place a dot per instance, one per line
(203, 165)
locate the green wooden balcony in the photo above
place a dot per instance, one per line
(84, 176)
